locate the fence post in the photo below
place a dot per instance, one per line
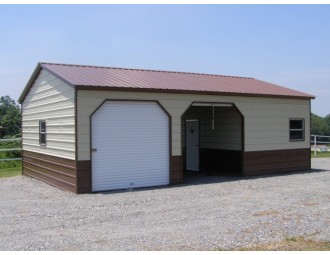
(314, 145)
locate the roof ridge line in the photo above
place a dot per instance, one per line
(146, 70)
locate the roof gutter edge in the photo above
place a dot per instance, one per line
(178, 91)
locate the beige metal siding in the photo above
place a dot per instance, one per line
(52, 100)
(266, 119)
(227, 127)
(267, 124)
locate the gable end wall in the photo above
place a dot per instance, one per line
(52, 100)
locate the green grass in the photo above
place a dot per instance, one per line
(13, 167)
(320, 154)
(10, 172)
(10, 164)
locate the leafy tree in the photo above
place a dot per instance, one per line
(327, 120)
(318, 125)
(10, 117)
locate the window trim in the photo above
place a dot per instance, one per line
(302, 129)
(42, 133)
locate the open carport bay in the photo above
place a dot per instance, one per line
(215, 212)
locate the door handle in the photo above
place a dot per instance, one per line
(94, 150)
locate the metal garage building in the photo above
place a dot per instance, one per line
(89, 128)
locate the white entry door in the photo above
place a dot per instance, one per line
(130, 146)
(192, 145)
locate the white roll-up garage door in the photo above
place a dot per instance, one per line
(130, 146)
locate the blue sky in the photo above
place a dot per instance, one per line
(288, 45)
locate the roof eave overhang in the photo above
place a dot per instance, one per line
(151, 90)
(29, 83)
(34, 76)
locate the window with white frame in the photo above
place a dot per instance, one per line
(297, 129)
(42, 132)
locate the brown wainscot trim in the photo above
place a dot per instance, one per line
(84, 176)
(56, 171)
(276, 161)
(176, 171)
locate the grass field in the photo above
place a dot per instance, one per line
(9, 172)
(320, 154)
(291, 244)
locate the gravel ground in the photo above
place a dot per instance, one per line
(218, 212)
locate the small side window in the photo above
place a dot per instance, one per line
(42, 132)
(297, 129)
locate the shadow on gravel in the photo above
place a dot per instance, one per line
(200, 179)
(191, 180)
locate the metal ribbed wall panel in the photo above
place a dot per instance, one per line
(52, 100)
(132, 142)
(274, 136)
(227, 127)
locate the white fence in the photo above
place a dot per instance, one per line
(10, 149)
(320, 140)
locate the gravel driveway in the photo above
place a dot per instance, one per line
(218, 213)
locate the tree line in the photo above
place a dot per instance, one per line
(10, 127)
(319, 125)
(10, 120)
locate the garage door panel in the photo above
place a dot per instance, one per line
(123, 181)
(137, 178)
(132, 142)
(131, 170)
(131, 154)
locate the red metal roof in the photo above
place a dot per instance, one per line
(166, 81)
